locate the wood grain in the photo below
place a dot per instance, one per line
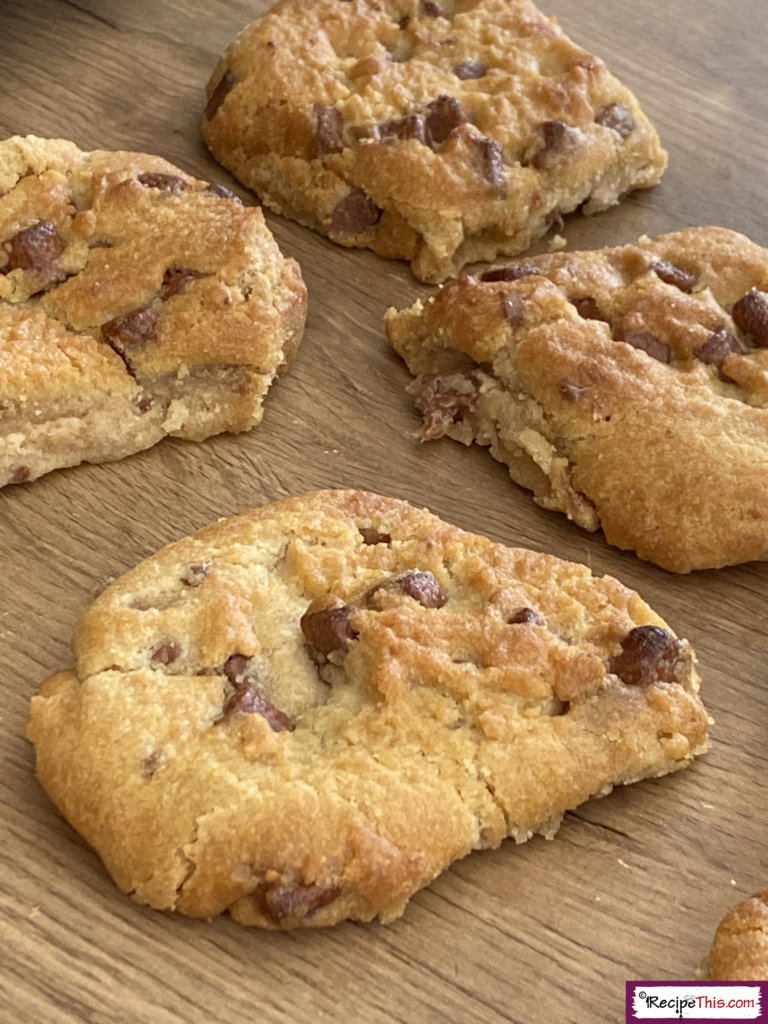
(634, 884)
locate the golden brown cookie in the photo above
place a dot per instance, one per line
(135, 302)
(305, 713)
(739, 950)
(434, 132)
(626, 387)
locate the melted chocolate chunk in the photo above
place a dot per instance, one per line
(35, 249)
(248, 697)
(750, 314)
(129, 333)
(329, 129)
(617, 117)
(166, 653)
(174, 280)
(685, 280)
(371, 535)
(225, 85)
(490, 158)
(648, 343)
(431, 9)
(445, 114)
(162, 181)
(719, 344)
(286, 905)
(587, 307)
(526, 615)
(649, 654)
(20, 475)
(196, 574)
(512, 273)
(412, 127)
(418, 584)
(444, 400)
(513, 309)
(558, 140)
(354, 214)
(470, 69)
(328, 629)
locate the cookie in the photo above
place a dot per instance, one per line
(135, 302)
(739, 950)
(305, 713)
(433, 132)
(626, 387)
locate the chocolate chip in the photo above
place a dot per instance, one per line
(670, 274)
(490, 158)
(526, 615)
(152, 762)
(558, 139)
(20, 475)
(431, 9)
(646, 342)
(326, 628)
(412, 127)
(512, 273)
(329, 129)
(130, 332)
(444, 400)
(418, 584)
(286, 905)
(223, 192)
(144, 403)
(513, 309)
(649, 654)
(248, 697)
(166, 653)
(371, 535)
(750, 314)
(174, 280)
(162, 181)
(355, 213)
(35, 249)
(196, 574)
(587, 307)
(469, 69)
(719, 344)
(445, 114)
(617, 117)
(225, 85)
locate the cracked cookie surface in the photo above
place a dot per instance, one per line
(135, 302)
(626, 387)
(437, 133)
(305, 713)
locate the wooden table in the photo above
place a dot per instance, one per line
(634, 884)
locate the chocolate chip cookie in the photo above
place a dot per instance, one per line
(626, 387)
(135, 302)
(305, 713)
(739, 950)
(434, 132)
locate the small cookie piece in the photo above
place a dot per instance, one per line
(626, 387)
(135, 302)
(305, 713)
(434, 132)
(739, 950)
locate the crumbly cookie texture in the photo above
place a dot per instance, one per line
(135, 302)
(434, 132)
(626, 387)
(305, 713)
(739, 950)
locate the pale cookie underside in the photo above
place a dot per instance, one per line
(417, 130)
(626, 387)
(135, 302)
(305, 713)
(739, 950)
